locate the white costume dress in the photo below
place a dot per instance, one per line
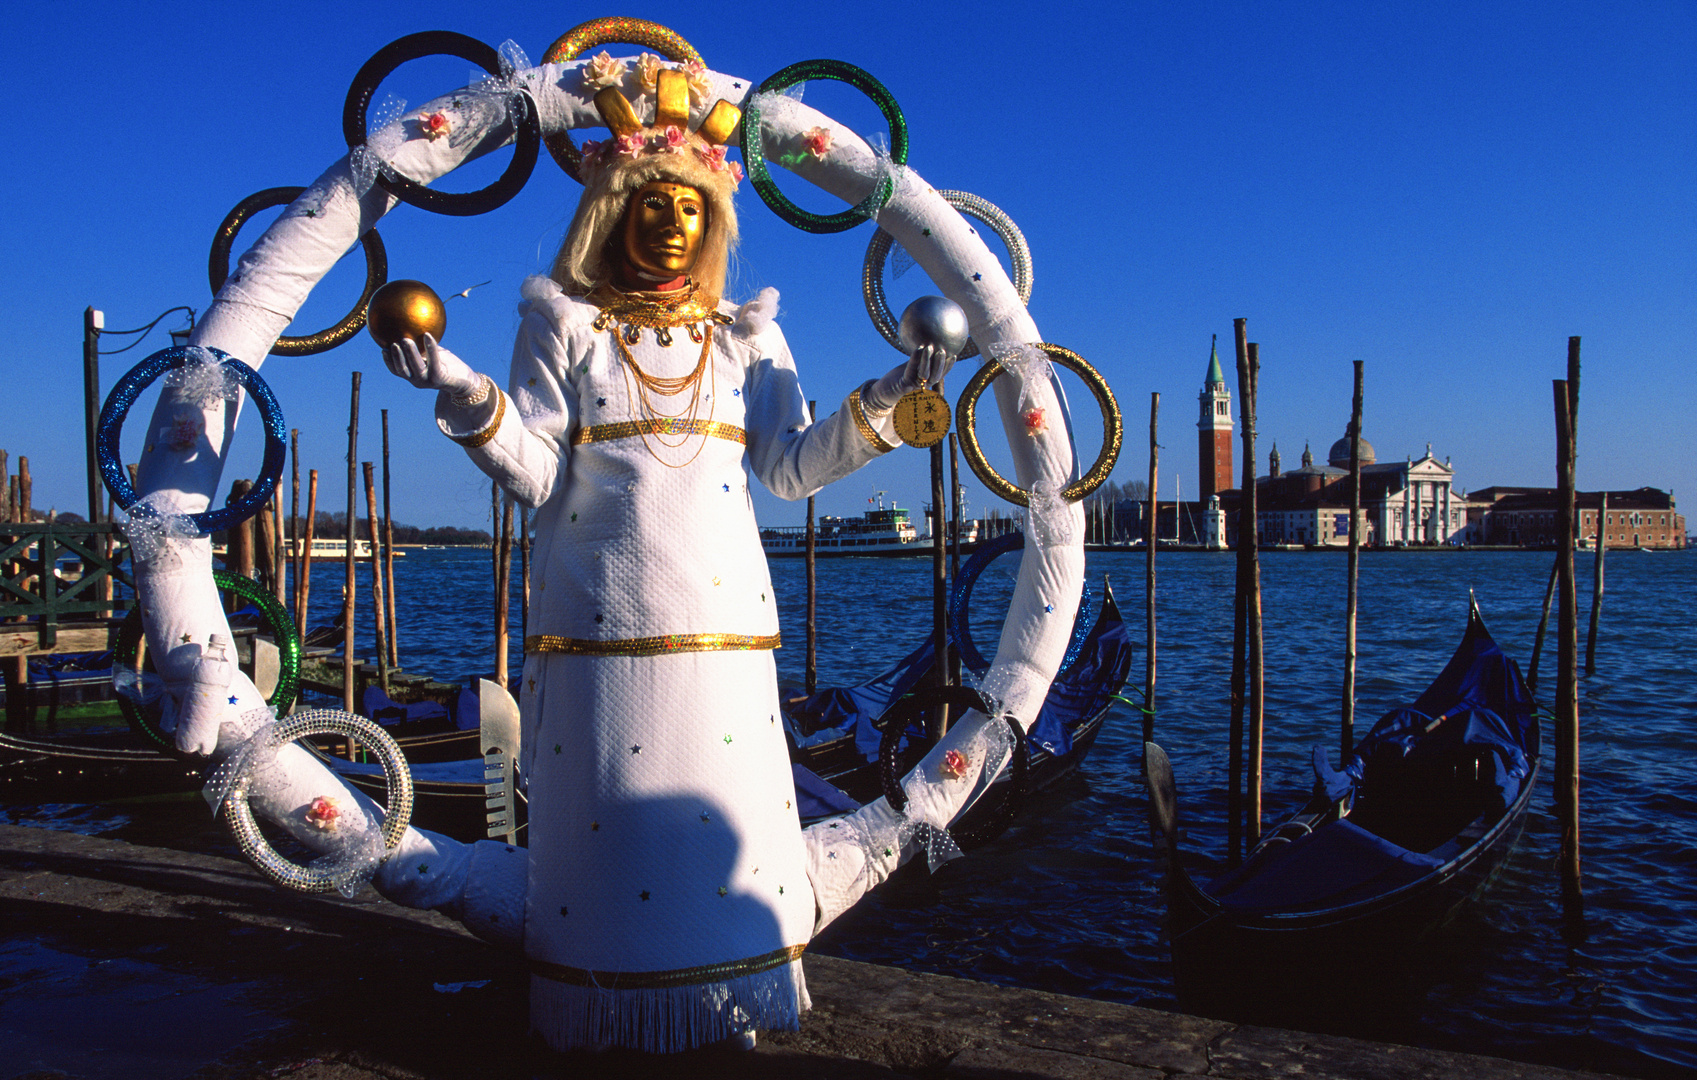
(667, 902)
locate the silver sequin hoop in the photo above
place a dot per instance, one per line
(332, 877)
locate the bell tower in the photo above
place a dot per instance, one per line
(1214, 430)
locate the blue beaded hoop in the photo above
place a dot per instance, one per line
(960, 602)
(142, 376)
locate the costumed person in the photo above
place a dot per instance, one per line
(670, 889)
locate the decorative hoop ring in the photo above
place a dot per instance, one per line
(397, 812)
(585, 36)
(878, 250)
(130, 634)
(527, 131)
(960, 603)
(753, 145)
(139, 378)
(376, 271)
(1113, 428)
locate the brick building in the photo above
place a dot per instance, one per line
(1526, 517)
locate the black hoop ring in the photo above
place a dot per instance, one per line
(1113, 428)
(896, 720)
(527, 135)
(376, 271)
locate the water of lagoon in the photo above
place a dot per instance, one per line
(1070, 899)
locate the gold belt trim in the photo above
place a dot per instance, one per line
(649, 646)
(666, 980)
(866, 429)
(662, 425)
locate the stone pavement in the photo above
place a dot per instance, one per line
(122, 962)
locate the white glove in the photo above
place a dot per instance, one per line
(432, 367)
(928, 364)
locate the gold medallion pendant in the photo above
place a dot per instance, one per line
(922, 418)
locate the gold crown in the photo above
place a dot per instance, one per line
(670, 131)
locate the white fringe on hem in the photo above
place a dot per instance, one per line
(671, 1020)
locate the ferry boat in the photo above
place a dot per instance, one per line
(334, 548)
(883, 531)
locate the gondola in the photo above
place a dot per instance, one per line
(1333, 901)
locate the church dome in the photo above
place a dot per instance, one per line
(1339, 456)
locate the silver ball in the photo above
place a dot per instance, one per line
(934, 320)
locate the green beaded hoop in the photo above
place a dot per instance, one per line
(754, 160)
(282, 627)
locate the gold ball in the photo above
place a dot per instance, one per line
(403, 309)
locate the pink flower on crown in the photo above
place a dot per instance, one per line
(603, 71)
(954, 765)
(700, 86)
(648, 72)
(1036, 423)
(323, 814)
(629, 144)
(591, 150)
(735, 169)
(714, 156)
(435, 125)
(676, 139)
(818, 141)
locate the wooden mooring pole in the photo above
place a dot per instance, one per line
(1597, 587)
(1257, 658)
(1347, 736)
(1240, 608)
(1149, 546)
(812, 675)
(1567, 637)
(377, 606)
(293, 604)
(1543, 625)
(389, 553)
(303, 580)
(351, 536)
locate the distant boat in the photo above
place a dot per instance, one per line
(884, 531)
(323, 548)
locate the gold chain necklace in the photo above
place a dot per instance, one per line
(671, 387)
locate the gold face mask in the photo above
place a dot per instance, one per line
(664, 225)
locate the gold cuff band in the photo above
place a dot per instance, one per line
(860, 421)
(666, 980)
(650, 646)
(478, 438)
(660, 426)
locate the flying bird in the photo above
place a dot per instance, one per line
(466, 292)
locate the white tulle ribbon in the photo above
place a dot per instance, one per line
(203, 380)
(154, 527)
(1026, 363)
(1050, 516)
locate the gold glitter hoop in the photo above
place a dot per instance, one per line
(580, 39)
(376, 271)
(323, 722)
(1113, 428)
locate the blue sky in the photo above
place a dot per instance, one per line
(1446, 192)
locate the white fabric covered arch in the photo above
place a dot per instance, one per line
(274, 276)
